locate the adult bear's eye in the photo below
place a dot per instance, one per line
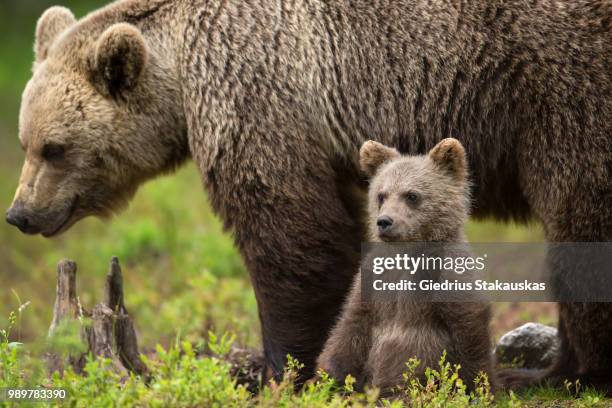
(53, 152)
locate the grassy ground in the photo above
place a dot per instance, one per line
(183, 280)
(181, 377)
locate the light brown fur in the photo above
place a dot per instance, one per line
(116, 130)
(373, 341)
(273, 99)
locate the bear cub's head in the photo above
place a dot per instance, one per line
(416, 198)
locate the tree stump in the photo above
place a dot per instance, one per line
(108, 331)
(246, 367)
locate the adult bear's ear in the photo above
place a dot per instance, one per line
(450, 156)
(119, 59)
(50, 25)
(373, 154)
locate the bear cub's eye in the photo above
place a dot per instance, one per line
(381, 199)
(53, 152)
(412, 197)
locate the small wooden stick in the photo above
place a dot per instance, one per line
(101, 336)
(113, 296)
(127, 345)
(66, 304)
(125, 334)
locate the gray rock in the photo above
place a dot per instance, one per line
(533, 345)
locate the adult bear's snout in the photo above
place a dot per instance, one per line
(17, 216)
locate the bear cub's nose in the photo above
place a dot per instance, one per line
(384, 222)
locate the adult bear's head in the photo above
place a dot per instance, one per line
(99, 116)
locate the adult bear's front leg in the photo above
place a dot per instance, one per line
(295, 219)
(302, 256)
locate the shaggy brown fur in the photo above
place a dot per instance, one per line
(427, 199)
(273, 99)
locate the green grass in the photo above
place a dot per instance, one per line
(180, 377)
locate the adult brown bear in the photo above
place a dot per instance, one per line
(272, 99)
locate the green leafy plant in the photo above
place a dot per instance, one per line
(9, 362)
(443, 387)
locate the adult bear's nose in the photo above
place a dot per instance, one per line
(16, 216)
(384, 222)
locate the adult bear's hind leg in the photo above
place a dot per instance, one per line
(575, 207)
(585, 328)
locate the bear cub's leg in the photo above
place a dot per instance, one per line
(350, 338)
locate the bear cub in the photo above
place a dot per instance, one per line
(420, 199)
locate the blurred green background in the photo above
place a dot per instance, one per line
(183, 276)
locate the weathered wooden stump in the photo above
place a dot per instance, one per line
(107, 331)
(246, 367)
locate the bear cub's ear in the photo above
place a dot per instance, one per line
(50, 25)
(119, 59)
(450, 156)
(373, 154)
